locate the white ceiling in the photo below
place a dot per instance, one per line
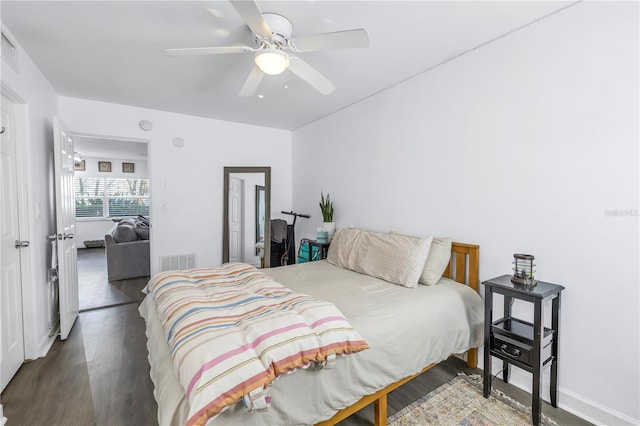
(113, 51)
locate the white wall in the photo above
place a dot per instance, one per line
(188, 181)
(39, 103)
(95, 228)
(524, 145)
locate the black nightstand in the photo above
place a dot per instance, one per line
(529, 346)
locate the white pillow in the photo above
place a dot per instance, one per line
(439, 256)
(343, 246)
(437, 261)
(396, 258)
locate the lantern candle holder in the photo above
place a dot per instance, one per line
(523, 270)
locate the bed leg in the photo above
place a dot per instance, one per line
(380, 411)
(472, 358)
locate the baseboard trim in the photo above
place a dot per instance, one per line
(45, 345)
(570, 401)
(592, 411)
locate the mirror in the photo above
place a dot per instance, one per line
(246, 213)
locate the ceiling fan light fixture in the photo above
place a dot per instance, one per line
(272, 61)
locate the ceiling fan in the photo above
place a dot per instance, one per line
(276, 47)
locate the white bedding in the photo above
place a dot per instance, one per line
(407, 329)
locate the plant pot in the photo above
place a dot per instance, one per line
(330, 227)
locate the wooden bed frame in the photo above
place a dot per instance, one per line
(463, 268)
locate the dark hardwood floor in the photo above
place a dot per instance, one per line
(100, 376)
(94, 291)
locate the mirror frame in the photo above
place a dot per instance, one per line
(260, 191)
(267, 210)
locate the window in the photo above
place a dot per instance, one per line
(89, 197)
(128, 197)
(111, 197)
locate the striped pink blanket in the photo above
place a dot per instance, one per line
(233, 329)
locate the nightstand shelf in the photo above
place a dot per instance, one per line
(527, 345)
(512, 341)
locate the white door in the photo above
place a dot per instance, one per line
(65, 227)
(12, 331)
(235, 220)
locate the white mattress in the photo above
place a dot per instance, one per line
(407, 329)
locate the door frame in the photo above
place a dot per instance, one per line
(240, 218)
(32, 348)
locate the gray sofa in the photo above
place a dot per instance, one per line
(127, 247)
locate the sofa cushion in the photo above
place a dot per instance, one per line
(124, 233)
(142, 232)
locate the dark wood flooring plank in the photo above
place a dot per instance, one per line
(120, 383)
(54, 390)
(95, 290)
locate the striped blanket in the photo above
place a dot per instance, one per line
(232, 330)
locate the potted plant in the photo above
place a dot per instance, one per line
(326, 207)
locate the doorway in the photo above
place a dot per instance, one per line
(111, 185)
(236, 219)
(11, 318)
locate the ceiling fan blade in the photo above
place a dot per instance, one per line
(328, 41)
(252, 82)
(251, 14)
(190, 51)
(306, 72)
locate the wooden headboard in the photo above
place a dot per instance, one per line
(464, 266)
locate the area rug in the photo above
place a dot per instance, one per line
(460, 402)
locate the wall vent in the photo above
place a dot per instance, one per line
(179, 261)
(9, 53)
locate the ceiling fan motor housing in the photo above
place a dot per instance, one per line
(281, 29)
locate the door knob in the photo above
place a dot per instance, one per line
(21, 244)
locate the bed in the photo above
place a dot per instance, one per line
(408, 332)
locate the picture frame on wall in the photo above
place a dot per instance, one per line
(128, 167)
(104, 166)
(79, 166)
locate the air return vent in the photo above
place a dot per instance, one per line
(9, 53)
(180, 261)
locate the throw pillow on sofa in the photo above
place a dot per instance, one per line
(124, 233)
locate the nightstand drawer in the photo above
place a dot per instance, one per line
(515, 350)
